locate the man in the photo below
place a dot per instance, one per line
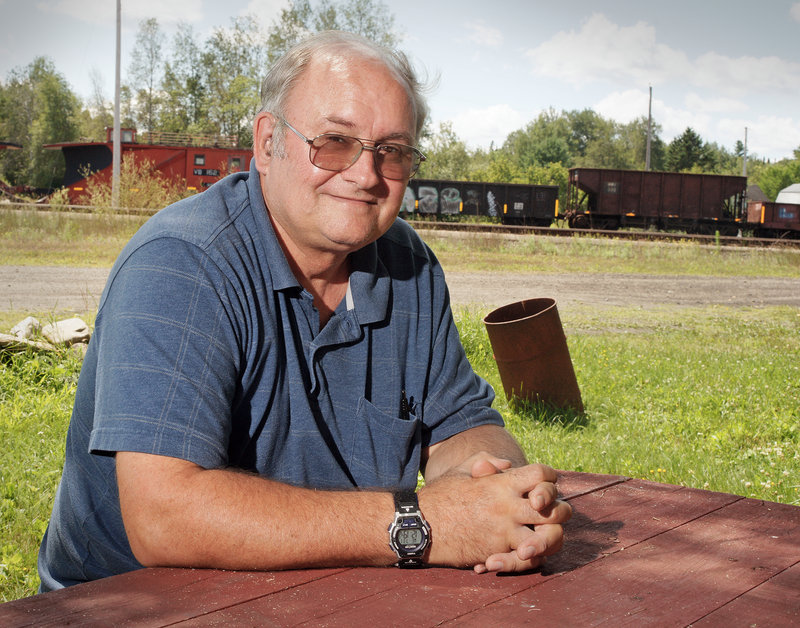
(266, 348)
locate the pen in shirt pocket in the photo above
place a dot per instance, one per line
(404, 409)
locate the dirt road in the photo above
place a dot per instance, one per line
(76, 290)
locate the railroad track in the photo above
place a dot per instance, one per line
(663, 236)
(476, 227)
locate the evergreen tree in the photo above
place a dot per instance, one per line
(688, 152)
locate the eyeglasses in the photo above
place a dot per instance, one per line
(334, 152)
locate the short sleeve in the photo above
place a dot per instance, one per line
(168, 361)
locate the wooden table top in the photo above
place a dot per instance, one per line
(637, 553)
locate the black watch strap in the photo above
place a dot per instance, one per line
(406, 502)
(409, 533)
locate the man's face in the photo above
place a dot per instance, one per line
(316, 211)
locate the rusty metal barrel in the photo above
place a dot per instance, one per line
(531, 352)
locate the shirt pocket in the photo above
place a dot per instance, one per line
(385, 450)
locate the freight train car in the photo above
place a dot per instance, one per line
(511, 203)
(197, 160)
(774, 220)
(696, 203)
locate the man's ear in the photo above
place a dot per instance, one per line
(263, 129)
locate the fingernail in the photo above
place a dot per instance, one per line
(494, 565)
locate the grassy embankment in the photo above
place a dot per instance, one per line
(707, 397)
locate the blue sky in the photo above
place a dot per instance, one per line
(715, 65)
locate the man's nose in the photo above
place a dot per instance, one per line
(364, 171)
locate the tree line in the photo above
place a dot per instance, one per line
(211, 87)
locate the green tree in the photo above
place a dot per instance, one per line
(184, 107)
(370, 18)
(542, 141)
(688, 152)
(773, 178)
(97, 113)
(145, 71)
(233, 62)
(633, 137)
(447, 155)
(586, 127)
(37, 108)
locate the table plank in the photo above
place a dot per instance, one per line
(387, 596)
(674, 578)
(573, 484)
(150, 597)
(775, 602)
(611, 519)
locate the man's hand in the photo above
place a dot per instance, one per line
(497, 518)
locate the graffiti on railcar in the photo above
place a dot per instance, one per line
(450, 201)
(428, 199)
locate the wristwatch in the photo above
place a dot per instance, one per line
(409, 533)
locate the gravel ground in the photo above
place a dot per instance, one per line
(76, 290)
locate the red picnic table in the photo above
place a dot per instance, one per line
(637, 553)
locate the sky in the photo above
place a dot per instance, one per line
(717, 66)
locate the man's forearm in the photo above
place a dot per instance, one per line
(450, 454)
(178, 514)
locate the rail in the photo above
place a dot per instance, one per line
(473, 227)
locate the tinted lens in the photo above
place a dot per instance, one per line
(395, 161)
(334, 152)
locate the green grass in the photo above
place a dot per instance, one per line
(64, 239)
(36, 394)
(60, 238)
(702, 397)
(493, 253)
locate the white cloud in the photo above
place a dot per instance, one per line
(623, 106)
(766, 137)
(483, 35)
(104, 11)
(737, 75)
(706, 104)
(604, 51)
(481, 127)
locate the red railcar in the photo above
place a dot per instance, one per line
(198, 161)
(774, 220)
(699, 203)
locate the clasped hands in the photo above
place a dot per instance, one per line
(493, 517)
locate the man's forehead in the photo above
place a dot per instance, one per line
(336, 78)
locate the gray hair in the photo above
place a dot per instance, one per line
(285, 72)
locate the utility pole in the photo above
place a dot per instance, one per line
(117, 149)
(649, 130)
(744, 160)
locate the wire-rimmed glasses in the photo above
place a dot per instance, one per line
(335, 152)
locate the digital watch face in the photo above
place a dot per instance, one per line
(409, 534)
(410, 537)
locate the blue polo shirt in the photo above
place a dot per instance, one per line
(207, 348)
